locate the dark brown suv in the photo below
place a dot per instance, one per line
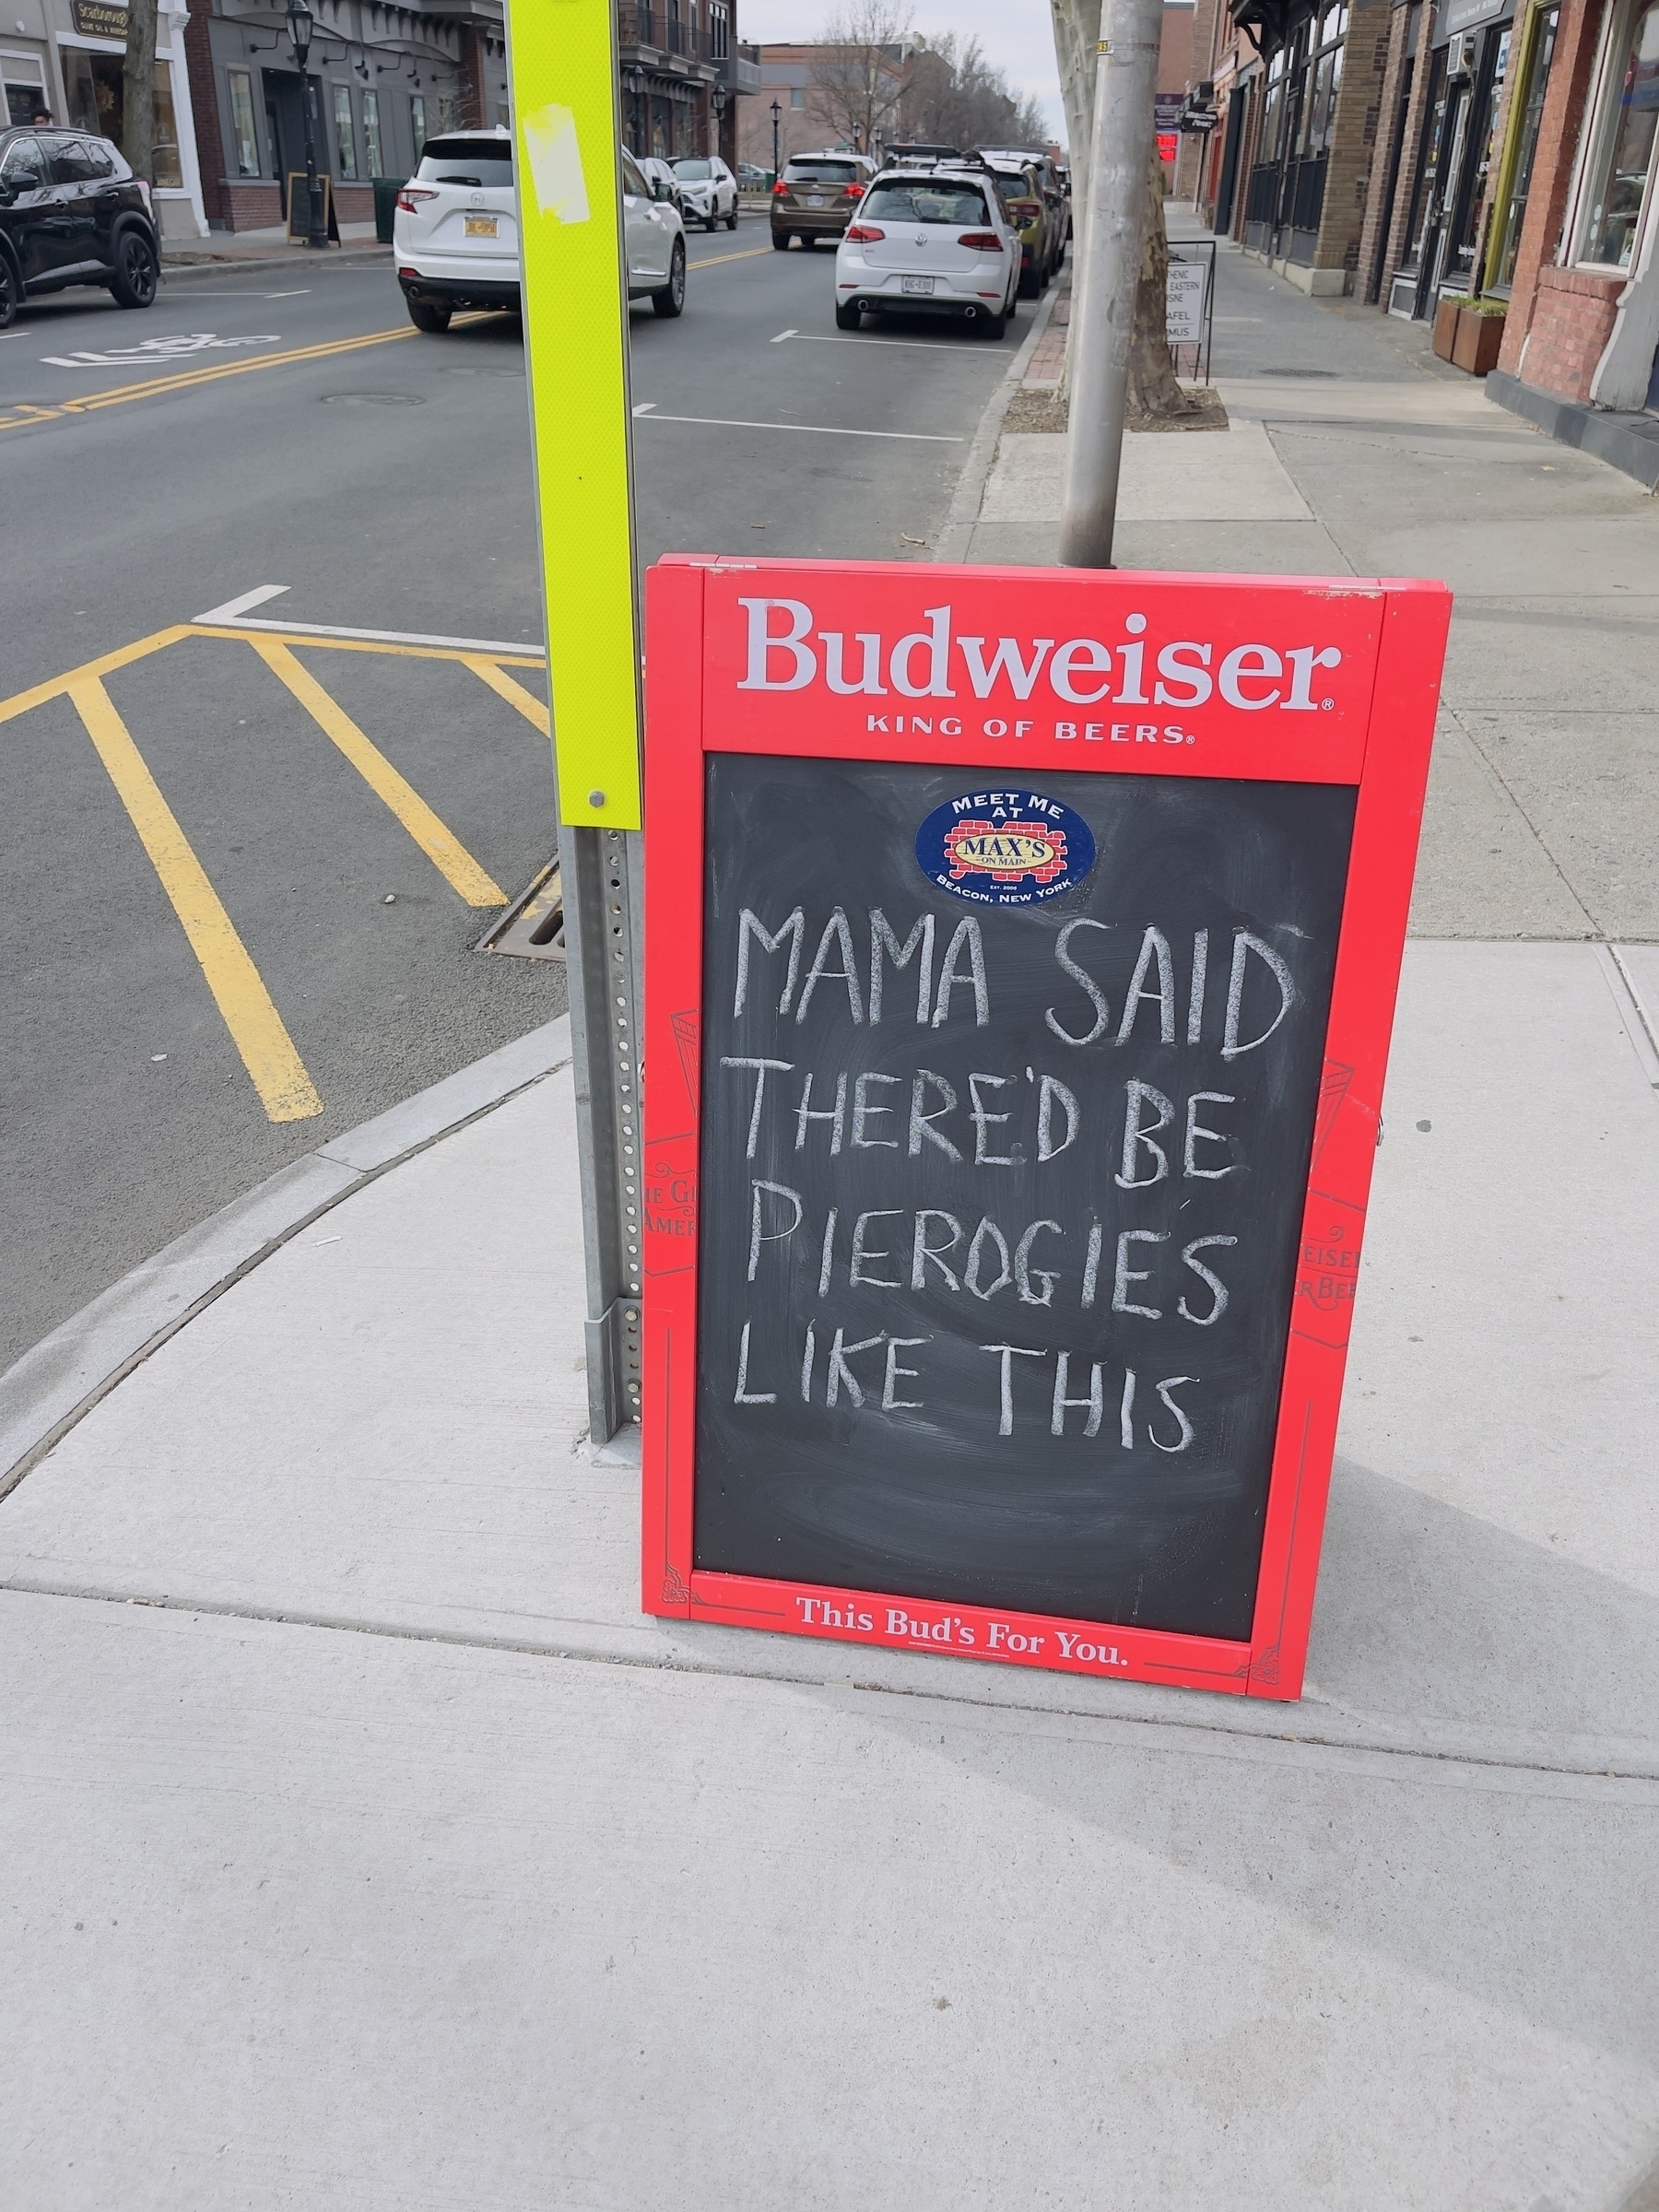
(817, 196)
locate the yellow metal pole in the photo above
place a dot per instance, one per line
(563, 69)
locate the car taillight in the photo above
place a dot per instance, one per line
(855, 191)
(982, 241)
(779, 187)
(410, 197)
(861, 234)
(1024, 211)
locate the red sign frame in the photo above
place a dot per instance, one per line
(1372, 727)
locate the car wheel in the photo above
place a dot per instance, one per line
(712, 223)
(427, 315)
(732, 220)
(672, 297)
(779, 242)
(992, 326)
(10, 292)
(849, 317)
(136, 275)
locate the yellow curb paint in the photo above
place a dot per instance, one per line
(441, 847)
(286, 1091)
(502, 685)
(575, 296)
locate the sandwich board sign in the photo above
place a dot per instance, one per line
(1021, 954)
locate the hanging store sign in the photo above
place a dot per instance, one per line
(96, 19)
(1021, 954)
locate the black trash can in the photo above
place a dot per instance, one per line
(386, 190)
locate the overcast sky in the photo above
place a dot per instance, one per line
(1016, 34)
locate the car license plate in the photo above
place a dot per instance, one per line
(815, 199)
(482, 226)
(916, 285)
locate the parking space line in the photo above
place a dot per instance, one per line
(393, 645)
(441, 847)
(220, 621)
(502, 685)
(823, 337)
(811, 430)
(286, 1091)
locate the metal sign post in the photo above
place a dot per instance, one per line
(563, 66)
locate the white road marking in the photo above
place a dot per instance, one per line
(156, 349)
(813, 429)
(232, 608)
(646, 407)
(816, 337)
(303, 293)
(372, 637)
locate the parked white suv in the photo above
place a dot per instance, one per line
(455, 235)
(708, 191)
(929, 242)
(455, 243)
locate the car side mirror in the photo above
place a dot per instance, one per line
(659, 190)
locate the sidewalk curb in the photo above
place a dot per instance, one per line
(57, 1382)
(216, 265)
(956, 531)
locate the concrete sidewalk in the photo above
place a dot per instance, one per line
(366, 1846)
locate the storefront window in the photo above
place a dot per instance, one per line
(92, 83)
(242, 124)
(372, 138)
(1622, 170)
(345, 136)
(1530, 102)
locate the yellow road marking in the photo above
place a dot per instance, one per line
(20, 702)
(154, 387)
(714, 260)
(441, 847)
(502, 685)
(186, 379)
(308, 639)
(256, 1029)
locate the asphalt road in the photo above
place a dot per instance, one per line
(323, 837)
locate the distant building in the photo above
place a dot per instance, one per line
(67, 56)
(807, 119)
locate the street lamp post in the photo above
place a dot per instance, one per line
(717, 102)
(299, 23)
(777, 115)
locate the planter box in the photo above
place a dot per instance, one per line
(1467, 339)
(1477, 343)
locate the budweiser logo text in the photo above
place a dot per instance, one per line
(787, 652)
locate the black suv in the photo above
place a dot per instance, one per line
(72, 212)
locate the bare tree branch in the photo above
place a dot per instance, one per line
(857, 71)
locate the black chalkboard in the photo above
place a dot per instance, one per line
(925, 1461)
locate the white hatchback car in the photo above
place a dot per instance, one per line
(454, 239)
(708, 191)
(929, 242)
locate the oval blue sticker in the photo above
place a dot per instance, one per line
(1005, 848)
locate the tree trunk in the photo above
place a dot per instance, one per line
(1152, 386)
(138, 89)
(1076, 32)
